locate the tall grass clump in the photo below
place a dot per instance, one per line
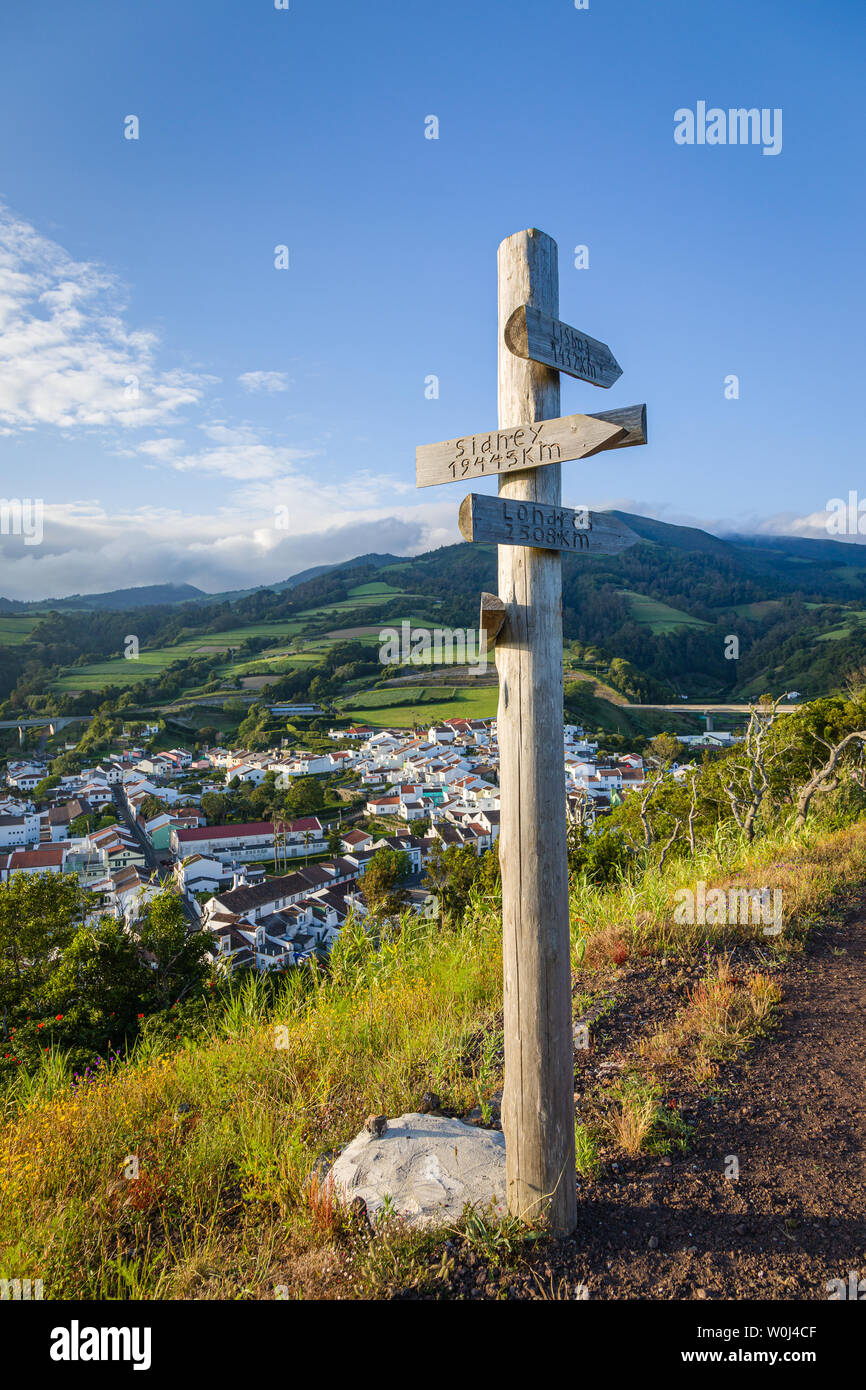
(180, 1153)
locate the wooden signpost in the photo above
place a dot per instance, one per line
(495, 519)
(525, 622)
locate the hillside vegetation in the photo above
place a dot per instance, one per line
(666, 607)
(194, 1166)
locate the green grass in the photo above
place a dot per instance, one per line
(847, 629)
(152, 660)
(761, 609)
(462, 703)
(227, 1128)
(366, 599)
(400, 695)
(659, 617)
(382, 1025)
(377, 587)
(849, 575)
(15, 628)
(274, 660)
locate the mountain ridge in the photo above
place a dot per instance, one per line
(751, 549)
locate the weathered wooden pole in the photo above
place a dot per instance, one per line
(538, 1100)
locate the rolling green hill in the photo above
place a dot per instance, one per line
(663, 611)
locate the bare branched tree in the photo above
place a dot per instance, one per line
(855, 682)
(665, 750)
(693, 776)
(650, 789)
(747, 795)
(826, 777)
(669, 841)
(579, 810)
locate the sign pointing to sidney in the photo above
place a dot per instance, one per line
(506, 521)
(528, 446)
(536, 336)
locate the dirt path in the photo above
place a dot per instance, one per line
(792, 1112)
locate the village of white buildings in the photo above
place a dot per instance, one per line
(272, 893)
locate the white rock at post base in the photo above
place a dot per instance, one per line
(429, 1167)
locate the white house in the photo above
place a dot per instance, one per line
(16, 832)
(97, 793)
(261, 900)
(110, 773)
(252, 840)
(50, 860)
(199, 873)
(25, 778)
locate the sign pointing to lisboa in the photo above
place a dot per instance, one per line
(536, 336)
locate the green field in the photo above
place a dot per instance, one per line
(272, 661)
(399, 695)
(152, 660)
(852, 622)
(659, 617)
(378, 587)
(761, 609)
(15, 629)
(444, 703)
(351, 605)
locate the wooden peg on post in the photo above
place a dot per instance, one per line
(538, 1100)
(491, 620)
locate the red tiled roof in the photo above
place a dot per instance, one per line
(36, 858)
(259, 827)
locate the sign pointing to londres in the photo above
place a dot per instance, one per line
(536, 336)
(505, 521)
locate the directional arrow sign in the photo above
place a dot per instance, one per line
(530, 333)
(504, 521)
(528, 446)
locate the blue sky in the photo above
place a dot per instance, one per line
(303, 389)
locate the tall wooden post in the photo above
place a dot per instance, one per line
(538, 1100)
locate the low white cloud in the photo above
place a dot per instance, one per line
(164, 448)
(241, 461)
(86, 549)
(264, 381)
(820, 525)
(66, 357)
(811, 525)
(266, 532)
